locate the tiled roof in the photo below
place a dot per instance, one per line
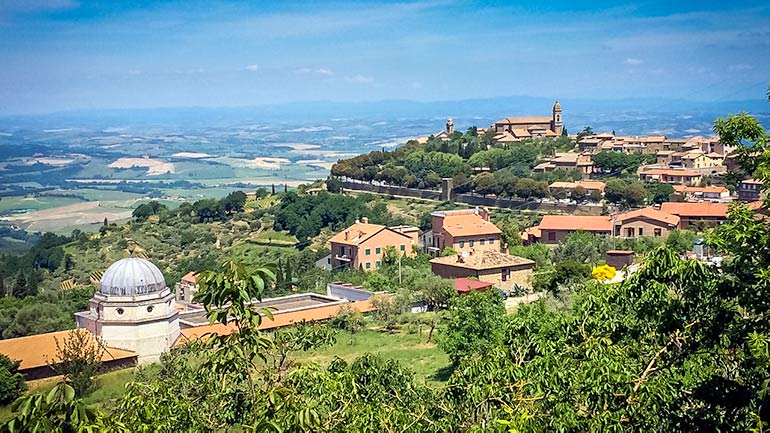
(525, 120)
(701, 189)
(575, 222)
(280, 319)
(358, 233)
(484, 259)
(587, 184)
(36, 350)
(650, 213)
(190, 277)
(465, 285)
(695, 209)
(468, 225)
(670, 172)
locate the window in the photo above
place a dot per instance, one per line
(506, 274)
(630, 232)
(462, 244)
(657, 232)
(492, 241)
(482, 242)
(342, 251)
(551, 236)
(403, 247)
(377, 263)
(368, 251)
(470, 243)
(368, 265)
(641, 231)
(377, 250)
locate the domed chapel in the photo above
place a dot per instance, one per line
(133, 310)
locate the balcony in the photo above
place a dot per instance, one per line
(342, 258)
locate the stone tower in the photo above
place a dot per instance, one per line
(557, 126)
(450, 126)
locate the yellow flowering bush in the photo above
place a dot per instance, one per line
(604, 272)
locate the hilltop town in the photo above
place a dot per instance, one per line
(452, 234)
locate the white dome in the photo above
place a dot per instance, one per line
(132, 276)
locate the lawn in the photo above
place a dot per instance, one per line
(425, 359)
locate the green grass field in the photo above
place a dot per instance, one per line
(35, 203)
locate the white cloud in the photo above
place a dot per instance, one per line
(310, 71)
(739, 68)
(633, 62)
(360, 79)
(252, 68)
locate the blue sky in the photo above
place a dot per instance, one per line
(70, 54)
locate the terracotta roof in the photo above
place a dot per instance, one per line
(280, 319)
(534, 231)
(696, 209)
(650, 213)
(358, 233)
(587, 184)
(520, 132)
(525, 120)
(670, 172)
(35, 350)
(752, 182)
(620, 252)
(190, 277)
(465, 285)
(484, 259)
(574, 222)
(701, 189)
(468, 225)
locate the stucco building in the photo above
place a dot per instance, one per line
(187, 288)
(526, 127)
(567, 161)
(645, 222)
(501, 270)
(671, 176)
(362, 245)
(750, 190)
(462, 230)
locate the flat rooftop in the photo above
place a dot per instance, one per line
(282, 304)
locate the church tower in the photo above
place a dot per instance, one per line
(556, 125)
(450, 126)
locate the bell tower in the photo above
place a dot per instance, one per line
(556, 124)
(450, 126)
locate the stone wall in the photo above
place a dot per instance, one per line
(477, 200)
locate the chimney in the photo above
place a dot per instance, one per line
(357, 221)
(365, 220)
(346, 235)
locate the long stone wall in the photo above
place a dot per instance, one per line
(477, 200)
(392, 190)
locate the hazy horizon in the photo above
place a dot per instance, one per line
(62, 55)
